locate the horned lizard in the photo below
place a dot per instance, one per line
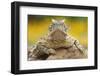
(57, 45)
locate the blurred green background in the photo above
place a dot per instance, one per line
(38, 27)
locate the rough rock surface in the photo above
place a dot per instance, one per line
(47, 49)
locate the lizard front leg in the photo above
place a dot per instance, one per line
(80, 48)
